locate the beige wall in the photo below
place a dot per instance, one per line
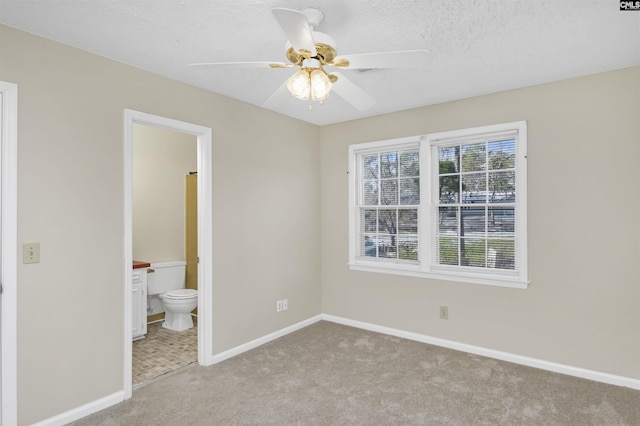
(70, 199)
(581, 307)
(161, 159)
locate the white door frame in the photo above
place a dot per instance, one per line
(205, 233)
(9, 269)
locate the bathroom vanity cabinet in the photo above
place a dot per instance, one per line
(139, 300)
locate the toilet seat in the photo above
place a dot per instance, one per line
(180, 294)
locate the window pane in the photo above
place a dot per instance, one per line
(472, 222)
(410, 191)
(370, 193)
(370, 166)
(449, 159)
(389, 193)
(368, 244)
(502, 187)
(449, 189)
(473, 252)
(448, 221)
(389, 165)
(448, 251)
(501, 221)
(474, 157)
(474, 188)
(368, 220)
(409, 163)
(387, 221)
(505, 253)
(387, 246)
(408, 221)
(408, 248)
(502, 155)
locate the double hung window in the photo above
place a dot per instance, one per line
(450, 205)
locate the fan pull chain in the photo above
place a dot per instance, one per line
(321, 102)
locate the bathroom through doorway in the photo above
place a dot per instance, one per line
(165, 237)
(159, 127)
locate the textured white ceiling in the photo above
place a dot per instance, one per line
(478, 46)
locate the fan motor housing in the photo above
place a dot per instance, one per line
(326, 54)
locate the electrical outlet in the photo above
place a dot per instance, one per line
(285, 304)
(279, 306)
(444, 312)
(31, 253)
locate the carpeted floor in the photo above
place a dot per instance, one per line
(330, 374)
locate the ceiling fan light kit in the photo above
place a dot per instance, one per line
(313, 50)
(311, 82)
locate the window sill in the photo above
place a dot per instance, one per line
(509, 282)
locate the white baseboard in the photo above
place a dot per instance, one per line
(83, 410)
(264, 339)
(504, 356)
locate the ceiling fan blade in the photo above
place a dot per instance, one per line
(400, 59)
(278, 97)
(296, 28)
(352, 93)
(239, 65)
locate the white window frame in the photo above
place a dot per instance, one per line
(425, 266)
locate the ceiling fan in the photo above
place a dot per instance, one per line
(312, 51)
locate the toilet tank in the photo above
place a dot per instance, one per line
(166, 276)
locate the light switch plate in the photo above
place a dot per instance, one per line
(31, 253)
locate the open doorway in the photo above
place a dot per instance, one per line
(164, 238)
(204, 237)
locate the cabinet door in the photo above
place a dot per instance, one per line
(139, 303)
(138, 319)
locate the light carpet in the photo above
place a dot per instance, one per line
(331, 374)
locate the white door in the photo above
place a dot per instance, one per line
(8, 255)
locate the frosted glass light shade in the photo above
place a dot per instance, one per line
(299, 84)
(310, 83)
(320, 85)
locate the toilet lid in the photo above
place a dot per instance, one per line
(183, 293)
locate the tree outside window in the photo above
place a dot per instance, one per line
(391, 194)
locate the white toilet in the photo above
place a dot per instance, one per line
(167, 281)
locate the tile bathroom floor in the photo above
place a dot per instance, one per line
(163, 351)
